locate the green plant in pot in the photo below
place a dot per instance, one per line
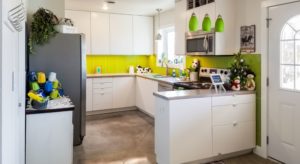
(42, 28)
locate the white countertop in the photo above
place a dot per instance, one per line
(164, 79)
(199, 93)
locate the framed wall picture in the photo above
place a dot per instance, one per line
(248, 37)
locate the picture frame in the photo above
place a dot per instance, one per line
(248, 39)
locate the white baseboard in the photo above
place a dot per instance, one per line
(260, 151)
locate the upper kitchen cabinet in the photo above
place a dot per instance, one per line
(142, 35)
(226, 41)
(121, 34)
(100, 33)
(180, 15)
(82, 21)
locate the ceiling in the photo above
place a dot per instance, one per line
(132, 7)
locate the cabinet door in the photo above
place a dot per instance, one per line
(140, 84)
(142, 35)
(89, 95)
(121, 34)
(103, 99)
(226, 41)
(124, 92)
(190, 130)
(100, 33)
(149, 88)
(82, 21)
(233, 137)
(180, 27)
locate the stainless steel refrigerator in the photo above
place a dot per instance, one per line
(65, 55)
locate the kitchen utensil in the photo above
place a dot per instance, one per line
(35, 97)
(35, 86)
(41, 77)
(54, 94)
(52, 76)
(32, 77)
(39, 105)
(56, 84)
(48, 87)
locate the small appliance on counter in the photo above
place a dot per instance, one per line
(204, 81)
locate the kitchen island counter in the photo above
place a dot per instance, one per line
(199, 93)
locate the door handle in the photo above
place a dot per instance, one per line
(205, 44)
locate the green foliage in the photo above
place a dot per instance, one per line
(239, 68)
(42, 28)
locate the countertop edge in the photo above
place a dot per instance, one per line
(200, 95)
(45, 111)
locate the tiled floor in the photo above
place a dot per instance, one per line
(127, 138)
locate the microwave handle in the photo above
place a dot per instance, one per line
(205, 44)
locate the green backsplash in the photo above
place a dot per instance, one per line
(121, 63)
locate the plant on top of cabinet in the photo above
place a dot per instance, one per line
(42, 28)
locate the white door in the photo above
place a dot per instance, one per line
(284, 88)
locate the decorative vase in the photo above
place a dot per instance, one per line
(206, 24)
(194, 76)
(193, 24)
(219, 26)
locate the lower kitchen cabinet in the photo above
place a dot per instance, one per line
(144, 95)
(109, 93)
(123, 92)
(188, 130)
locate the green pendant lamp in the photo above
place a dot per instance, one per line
(219, 26)
(193, 24)
(206, 24)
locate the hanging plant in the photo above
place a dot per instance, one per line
(42, 28)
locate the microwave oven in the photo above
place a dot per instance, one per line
(200, 43)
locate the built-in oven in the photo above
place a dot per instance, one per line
(200, 43)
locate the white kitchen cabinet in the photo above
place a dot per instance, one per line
(49, 138)
(180, 27)
(233, 123)
(89, 95)
(102, 93)
(186, 132)
(144, 95)
(82, 21)
(143, 35)
(124, 92)
(225, 41)
(121, 32)
(100, 33)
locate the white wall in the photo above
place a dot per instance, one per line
(167, 19)
(56, 6)
(249, 13)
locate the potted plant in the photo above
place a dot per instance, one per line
(42, 28)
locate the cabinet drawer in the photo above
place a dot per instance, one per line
(233, 138)
(102, 90)
(228, 114)
(102, 80)
(102, 85)
(234, 99)
(102, 101)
